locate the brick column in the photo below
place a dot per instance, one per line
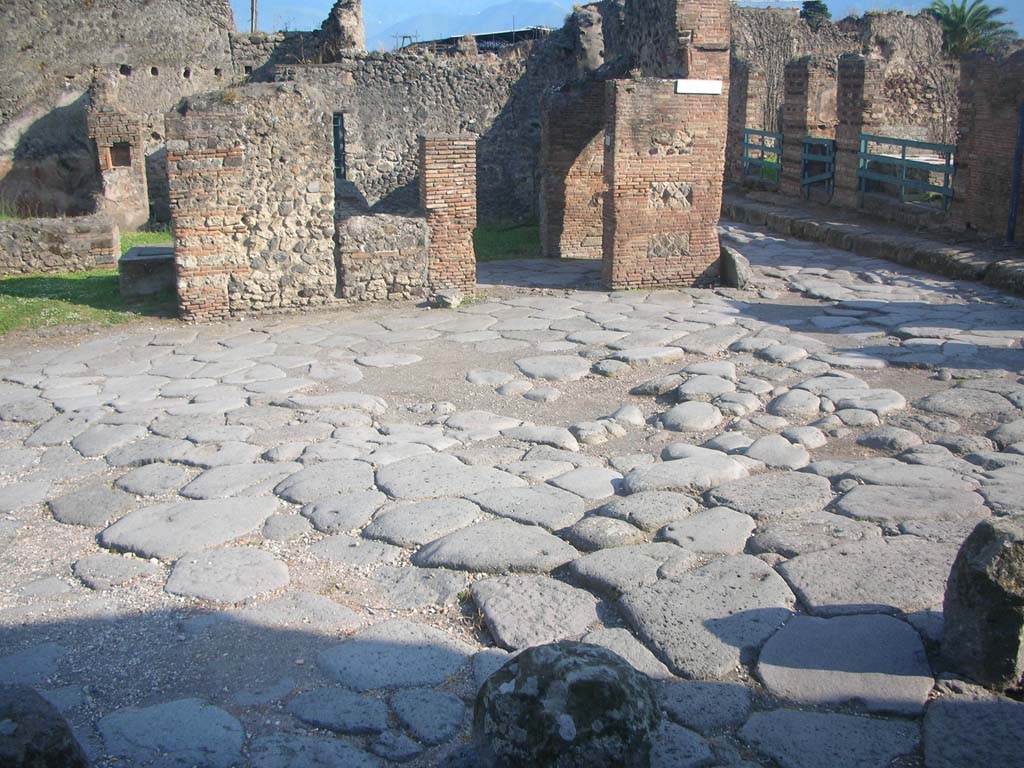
(205, 176)
(748, 98)
(121, 152)
(808, 109)
(448, 197)
(859, 102)
(572, 173)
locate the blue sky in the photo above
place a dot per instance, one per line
(289, 14)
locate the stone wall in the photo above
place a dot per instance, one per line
(252, 198)
(382, 257)
(992, 93)
(49, 53)
(448, 197)
(58, 245)
(572, 173)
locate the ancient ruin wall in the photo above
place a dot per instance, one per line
(382, 257)
(252, 196)
(58, 245)
(159, 50)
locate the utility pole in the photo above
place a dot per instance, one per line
(252, 16)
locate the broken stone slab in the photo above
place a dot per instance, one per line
(407, 588)
(356, 401)
(497, 546)
(525, 610)
(705, 706)
(650, 510)
(897, 473)
(622, 642)
(808, 532)
(554, 367)
(340, 710)
(556, 437)
(433, 717)
(688, 475)
(774, 495)
(798, 739)
(395, 654)
(418, 523)
(542, 505)
(345, 512)
(967, 726)
(105, 571)
(872, 662)
(719, 531)
(153, 479)
(437, 475)
(895, 574)
(709, 620)
(175, 733)
(983, 607)
(227, 575)
(168, 531)
(238, 480)
(92, 505)
(613, 572)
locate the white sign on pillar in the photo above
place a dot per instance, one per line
(703, 87)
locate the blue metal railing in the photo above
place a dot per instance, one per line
(871, 166)
(762, 155)
(818, 165)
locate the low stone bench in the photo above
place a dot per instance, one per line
(146, 270)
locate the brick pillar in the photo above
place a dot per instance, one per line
(572, 173)
(665, 162)
(808, 109)
(448, 197)
(748, 102)
(991, 93)
(205, 176)
(121, 153)
(859, 102)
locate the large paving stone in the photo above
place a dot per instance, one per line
(531, 610)
(105, 571)
(324, 480)
(354, 551)
(537, 505)
(692, 416)
(967, 403)
(497, 546)
(437, 475)
(773, 496)
(407, 588)
(719, 530)
(395, 654)
(809, 532)
(238, 480)
(92, 505)
(901, 573)
(705, 706)
(897, 473)
(711, 619)
(153, 479)
(614, 571)
(341, 400)
(1003, 490)
(433, 717)
(418, 523)
(872, 662)
(227, 575)
(178, 734)
(600, 532)
(282, 750)
(102, 438)
(651, 510)
(556, 437)
(622, 642)
(344, 512)
(167, 531)
(554, 367)
(591, 483)
(340, 710)
(776, 452)
(796, 739)
(892, 506)
(968, 727)
(677, 747)
(689, 475)
(19, 495)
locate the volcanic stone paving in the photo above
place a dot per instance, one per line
(306, 541)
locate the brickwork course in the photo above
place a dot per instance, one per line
(809, 109)
(448, 198)
(120, 149)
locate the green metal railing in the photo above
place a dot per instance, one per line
(870, 164)
(762, 155)
(818, 165)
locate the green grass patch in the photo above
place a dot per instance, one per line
(50, 301)
(493, 242)
(146, 237)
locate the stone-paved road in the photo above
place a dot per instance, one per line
(305, 540)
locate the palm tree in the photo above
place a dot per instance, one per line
(971, 27)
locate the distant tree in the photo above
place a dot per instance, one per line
(971, 27)
(815, 13)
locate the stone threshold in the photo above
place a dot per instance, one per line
(850, 231)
